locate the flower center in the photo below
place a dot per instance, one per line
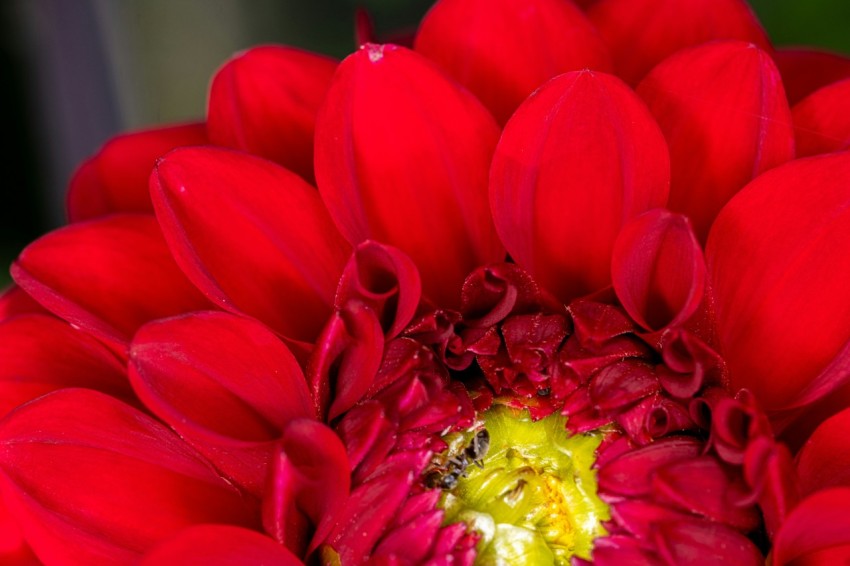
(531, 494)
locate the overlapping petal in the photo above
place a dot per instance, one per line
(220, 545)
(402, 155)
(817, 532)
(805, 70)
(821, 120)
(15, 301)
(824, 460)
(577, 160)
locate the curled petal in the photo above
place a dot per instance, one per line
(250, 234)
(220, 545)
(821, 120)
(576, 161)
(778, 260)
(503, 50)
(642, 33)
(688, 364)
(817, 531)
(107, 276)
(265, 100)
(15, 301)
(658, 269)
(824, 460)
(115, 179)
(806, 70)
(723, 111)
(425, 193)
(94, 481)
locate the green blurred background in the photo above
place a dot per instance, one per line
(75, 72)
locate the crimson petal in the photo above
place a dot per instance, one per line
(817, 531)
(692, 541)
(15, 301)
(265, 100)
(502, 50)
(220, 545)
(824, 460)
(821, 120)
(423, 193)
(250, 234)
(726, 100)
(576, 161)
(806, 70)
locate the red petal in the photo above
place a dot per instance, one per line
(806, 70)
(116, 178)
(824, 461)
(723, 111)
(219, 545)
(265, 100)
(777, 256)
(253, 236)
(93, 481)
(820, 523)
(576, 161)
(821, 120)
(705, 542)
(502, 50)
(226, 384)
(15, 301)
(42, 353)
(14, 550)
(402, 155)
(658, 269)
(107, 276)
(631, 473)
(642, 33)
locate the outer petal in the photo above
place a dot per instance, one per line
(824, 460)
(779, 259)
(107, 276)
(253, 236)
(821, 120)
(226, 384)
(817, 532)
(503, 50)
(642, 33)
(116, 178)
(15, 301)
(806, 70)
(93, 481)
(264, 101)
(402, 155)
(219, 545)
(723, 111)
(578, 159)
(14, 550)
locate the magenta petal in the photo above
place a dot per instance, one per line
(220, 545)
(819, 525)
(631, 473)
(824, 460)
(705, 542)
(250, 234)
(821, 120)
(806, 70)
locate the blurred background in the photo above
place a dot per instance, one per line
(76, 72)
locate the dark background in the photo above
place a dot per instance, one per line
(75, 72)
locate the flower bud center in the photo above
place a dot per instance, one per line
(533, 499)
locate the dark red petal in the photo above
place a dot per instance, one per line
(219, 545)
(806, 70)
(724, 114)
(94, 481)
(116, 178)
(107, 276)
(576, 161)
(821, 120)
(705, 542)
(824, 460)
(226, 384)
(777, 256)
(502, 50)
(265, 100)
(41, 354)
(642, 33)
(402, 155)
(658, 269)
(250, 234)
(820, 523)
(15, 301)
(631, 473)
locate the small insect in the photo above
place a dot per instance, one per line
(446, 476)
(478, 447)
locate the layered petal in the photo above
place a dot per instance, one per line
(15, 301)
(220, 545)
(724, 114)
(642, 33)
(824, 460)
(115, 179)
(805, 70)
(817, 532)
(779, 257)
(107, 276)
(250, 234)
(503, 50)
(94, 481)
(402, 155)
(265, 100)
(577, 160)
(821, 120)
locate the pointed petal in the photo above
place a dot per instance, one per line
(819, 524)
(777, 256)
(806, 70)
(253, 236)
(724, 114)
(824, 460)
(107, 276)
(576, 161)
(502, 50)
(265, 100)
(220, 545)
(115, 179)
(821, 120)
(642, 33)
(402, 155)
(15, 301)
(94, 481)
